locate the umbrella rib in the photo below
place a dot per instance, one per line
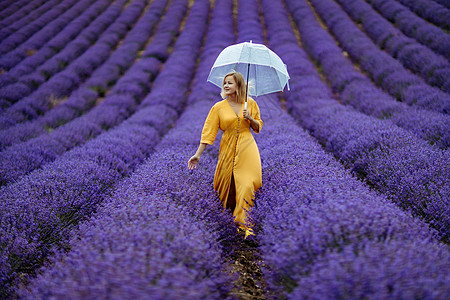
(240, 55)
(255, 82)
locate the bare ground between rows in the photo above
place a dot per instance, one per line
(246, 264)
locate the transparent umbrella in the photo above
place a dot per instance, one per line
(264, 70)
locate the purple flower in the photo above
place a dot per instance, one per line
(379, 271)
(64, 186)
(374, 61)
(431, 11)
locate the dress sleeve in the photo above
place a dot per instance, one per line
(256, 115)
(211, 126)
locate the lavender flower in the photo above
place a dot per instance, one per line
(94, 58)
(413, 26)
(310, 205)
(46, 26)
(111, 201)
(431, 11)
(373, 149)
(62, 195)
(11, 8)
(391, 76)
(379, 271)
(357, 90)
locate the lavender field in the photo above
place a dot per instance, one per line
(102, 103)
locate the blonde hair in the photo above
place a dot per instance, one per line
(240, 85)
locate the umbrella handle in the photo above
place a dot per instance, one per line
(246, 86)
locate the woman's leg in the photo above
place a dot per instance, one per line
(231, 200)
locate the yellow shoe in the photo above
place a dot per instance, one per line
(248, 232)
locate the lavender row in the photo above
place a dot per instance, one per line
(311, 213)
(304, 171)
(310, 206)
(162, 188)
(218, 37)
(23, 158)
(97, 85)
(139, 246)
(431, 11)
(88, 25)
(128, 91)
(32, 71)
(68, 190)
(14, 19)
(61, 85)
(434, 68)
(386, 266)
(9, 7)
(26, 14)
(413, 26)
(248, 22)
(165, 35)
(11, 12)
(412, 173)
(357, 90)
(31, 45)
(34, 29)
(445, 3)
(77, 103)
(159, 190)
(26, 77)
(384, 70)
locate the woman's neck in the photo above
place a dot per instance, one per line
(233, 98)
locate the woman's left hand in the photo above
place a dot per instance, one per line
(246, 114)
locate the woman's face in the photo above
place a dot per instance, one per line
(229, 85)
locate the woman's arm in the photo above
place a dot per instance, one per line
(193, 161)
(209, 132)
(253, 123)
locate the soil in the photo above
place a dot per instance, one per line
(246, 263)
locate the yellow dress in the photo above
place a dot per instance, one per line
(238, 155)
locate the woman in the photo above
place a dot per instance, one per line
(238, 171)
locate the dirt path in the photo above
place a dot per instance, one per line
(246, 263)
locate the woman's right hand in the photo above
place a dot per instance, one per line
(193, 161)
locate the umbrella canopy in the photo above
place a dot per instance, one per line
(264, 71)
